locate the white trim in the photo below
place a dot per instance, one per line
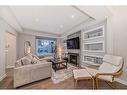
(40, 33)
(91, 30)
(2, 77)
(93, 55)
(93, 50)
(10, 66)
(92, 63)
(121, 81)
(94, 42)
(93, 38)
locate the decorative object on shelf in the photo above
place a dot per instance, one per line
(97, 32)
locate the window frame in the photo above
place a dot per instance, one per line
(36, 45)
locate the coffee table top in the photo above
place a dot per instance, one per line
(58, 61)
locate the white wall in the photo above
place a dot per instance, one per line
(39, 33)
(2, 53)
(21, 39)
(10, 55)
(30, 35)
(118, 23)
(4, 27)
(117, 26)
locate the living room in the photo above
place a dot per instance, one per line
(64, 42)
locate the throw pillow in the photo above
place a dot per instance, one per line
(34, 61)
(29, 56)
(18, 63)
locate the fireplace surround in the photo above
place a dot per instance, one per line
(74, 58)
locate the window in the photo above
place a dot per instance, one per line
(45, 46)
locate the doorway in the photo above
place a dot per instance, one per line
(10, 50)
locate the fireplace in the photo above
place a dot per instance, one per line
(73, 58)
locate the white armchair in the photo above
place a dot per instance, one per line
(111, 67)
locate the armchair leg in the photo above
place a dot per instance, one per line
(76, 83)
(96, 80)
(93, 82)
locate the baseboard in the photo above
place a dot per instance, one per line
(2, 77)
(121, 81)
(10, 67)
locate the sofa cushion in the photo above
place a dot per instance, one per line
(29, 56)
(26, 61)
(18, 63)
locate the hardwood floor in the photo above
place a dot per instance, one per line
(7, 83)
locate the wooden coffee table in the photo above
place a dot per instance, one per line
(58, 64)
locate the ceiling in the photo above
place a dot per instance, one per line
(51, 19)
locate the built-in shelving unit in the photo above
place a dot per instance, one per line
(94, 46)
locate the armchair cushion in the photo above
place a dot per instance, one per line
(92, 72)
(115, 60)
(108, 68)
(106, 77)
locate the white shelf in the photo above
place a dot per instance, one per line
(94, 33)
(93, 51)
(94, 46)
(93, 55)
(91, 30)
(92, 63)
(93, 38)
(94, 42)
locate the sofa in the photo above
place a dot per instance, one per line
(28, 69)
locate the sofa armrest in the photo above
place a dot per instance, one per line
(31, 66)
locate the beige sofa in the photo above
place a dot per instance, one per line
(31, 72)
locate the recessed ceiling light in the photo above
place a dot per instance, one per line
(37, 20)
(61, 26)
(72, 16)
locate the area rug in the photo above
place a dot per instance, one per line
(62, 74)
